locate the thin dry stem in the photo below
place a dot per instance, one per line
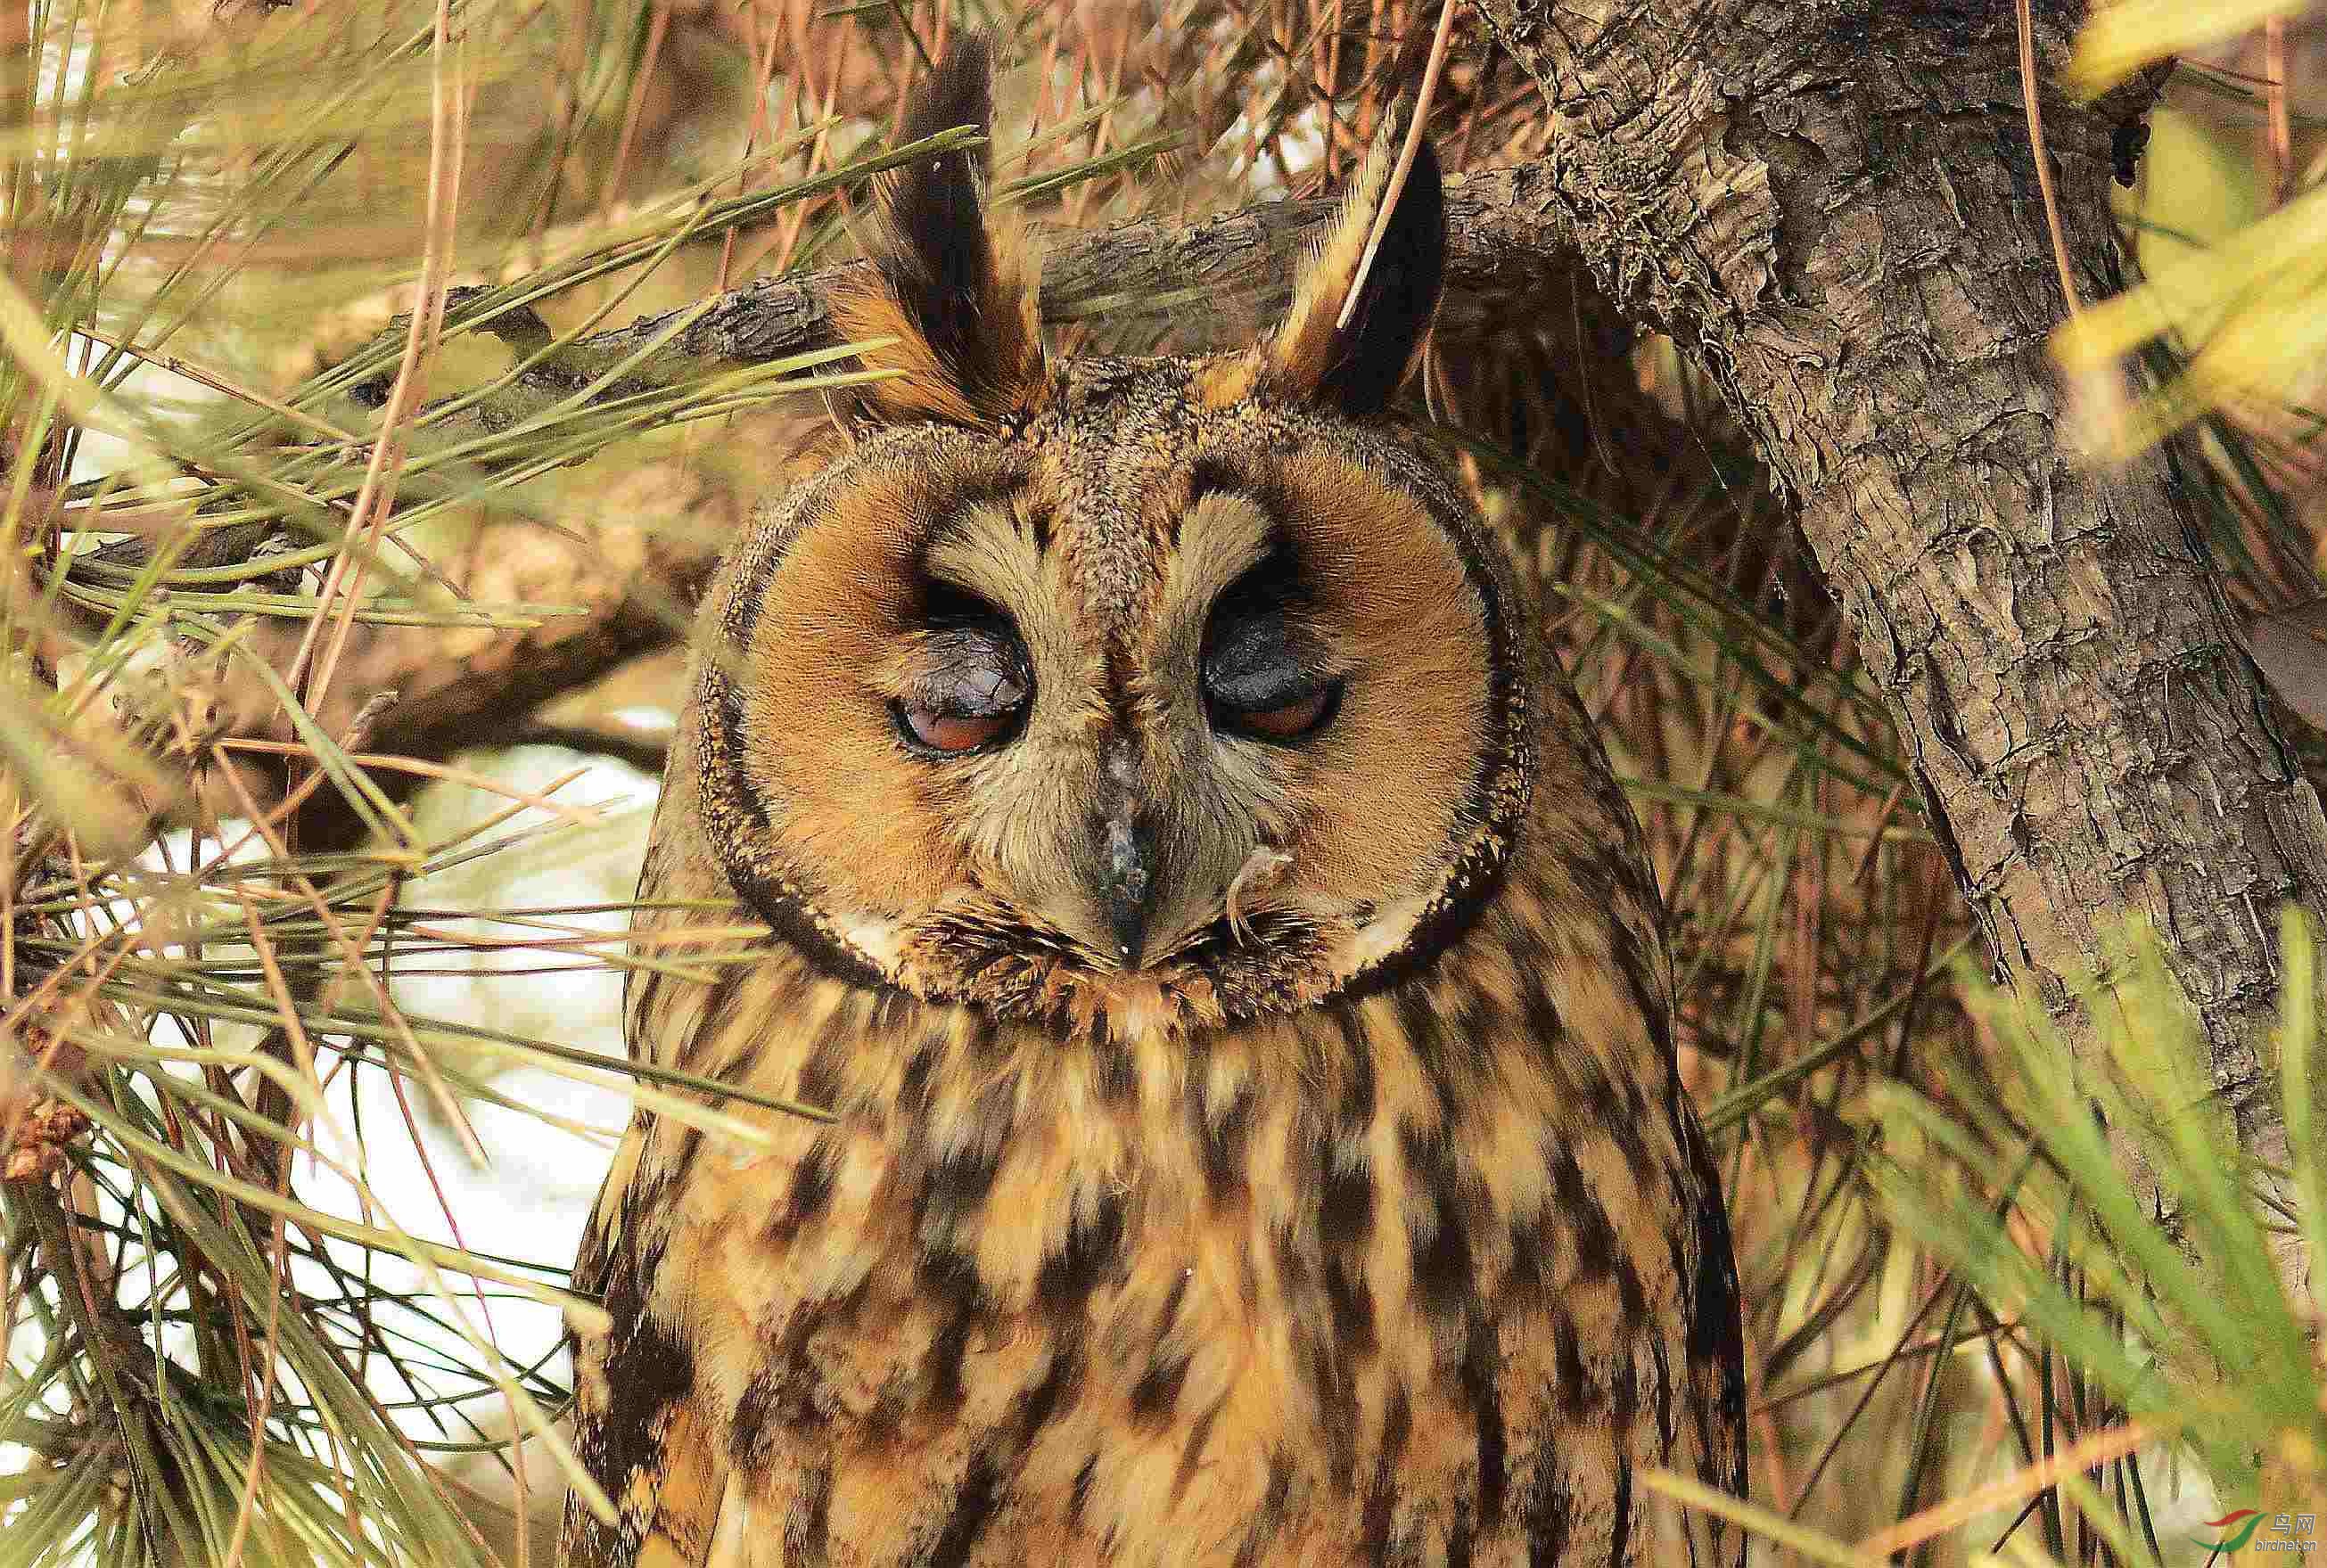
(2032, 98)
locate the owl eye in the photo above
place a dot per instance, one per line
(1257, 683)
(973, 690)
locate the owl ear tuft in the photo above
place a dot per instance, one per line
(1313, 357)
(956, 291)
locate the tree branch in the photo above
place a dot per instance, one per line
(1506, 246)
(1507, 249)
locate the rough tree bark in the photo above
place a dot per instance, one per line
(1834, 207)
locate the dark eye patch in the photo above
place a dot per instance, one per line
(974, 682)
(1262, 678)
(1254, 664)
(971, 674)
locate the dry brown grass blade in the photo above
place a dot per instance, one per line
(2031, 96)
(2276, 70)
(2086, 1453)
(1407, 152)
(448, 119)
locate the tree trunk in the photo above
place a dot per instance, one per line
(1835, 209)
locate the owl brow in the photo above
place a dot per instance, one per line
(962, 509)
(1213, 476)
(995, 564)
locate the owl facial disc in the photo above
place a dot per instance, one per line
(1097, 638)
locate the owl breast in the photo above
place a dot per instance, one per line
(1426, 1274)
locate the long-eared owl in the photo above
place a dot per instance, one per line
(1236, 981)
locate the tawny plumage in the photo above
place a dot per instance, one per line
(1198, 897)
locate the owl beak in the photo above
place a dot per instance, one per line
(1130, 877)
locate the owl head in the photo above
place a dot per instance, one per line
(1116, 692)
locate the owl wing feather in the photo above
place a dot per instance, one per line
(639, 1428)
